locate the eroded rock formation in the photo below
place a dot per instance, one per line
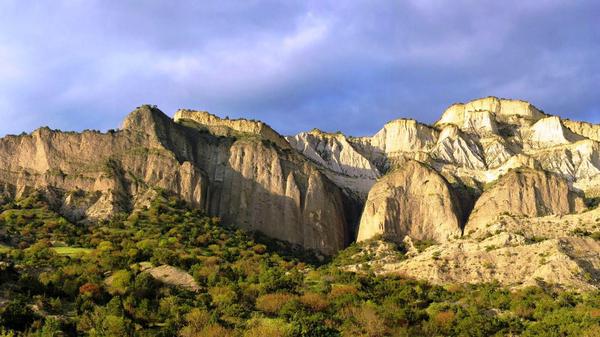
(251, 182)
(524, 192)
(413, 200)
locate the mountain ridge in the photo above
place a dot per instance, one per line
(311, 189)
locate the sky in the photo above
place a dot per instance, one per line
(347, 66)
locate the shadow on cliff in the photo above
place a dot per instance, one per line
(259, 199)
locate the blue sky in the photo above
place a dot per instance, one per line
(335, 65)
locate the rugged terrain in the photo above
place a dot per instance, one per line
(498, 184)
(244, 178)
(493, 184)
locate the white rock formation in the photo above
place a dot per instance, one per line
(404, 135)
(523, 192)
(477, 114)
(454, 147)
(343, 163)
(548, 132)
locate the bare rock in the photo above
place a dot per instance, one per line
(341, 161)
(247, 181)
(414, 200)
(526, 192)
(174, 277)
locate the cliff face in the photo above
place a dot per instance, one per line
(229, 127)
(414, 201)
(473, 141)
(340, 159)
(251, 182)
(512, 175)
(407, 180)
(529, 193)
(587, 130)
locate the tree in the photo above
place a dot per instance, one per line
(17, 315)
(118, 282)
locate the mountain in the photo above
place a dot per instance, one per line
(433, 215)
(489, 172)
(241, 171)
(493, 183)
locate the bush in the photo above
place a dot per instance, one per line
(118, 282)
(314, 301)
(17, 315)
(267, 328)
(272, 303)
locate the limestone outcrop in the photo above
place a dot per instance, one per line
(248, 181)
(550, 131)
(229, 127)
(408, 180)
(341, 161)
(481, 114)
(508, 259)
(476, 141)
(404, 135)
(413, 200)
(455, 147)
(523, 192)
(587, 130)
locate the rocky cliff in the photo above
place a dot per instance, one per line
(412, 201)
(523, 192)
(473, 141)
(512, 177)
(341, 161)
(229, 127)
(248, 181)
(491, 172)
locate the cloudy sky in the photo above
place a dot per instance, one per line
(335, 65)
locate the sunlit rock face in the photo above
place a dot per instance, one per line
(341, 161)
(524, 192)
(472, 142)
(412, 201)
(311, 189)
(245, 177)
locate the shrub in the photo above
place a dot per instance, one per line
(196, 320)
(267, 328)
(339, 290)
(222, 296)
(89, 289)
(118, 282)
(16, 315)
(272, 303)
(314, 301)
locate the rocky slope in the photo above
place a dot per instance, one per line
(246, 179)
(511, 259)
(510, 176)
(473, 141)
(341, 161)
(523, 192)
(492, 172)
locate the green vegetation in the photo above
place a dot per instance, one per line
(69, 279)
(71, 251)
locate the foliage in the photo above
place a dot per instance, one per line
(59, 278)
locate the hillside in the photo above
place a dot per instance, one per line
(236, 217)
(166, 270)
